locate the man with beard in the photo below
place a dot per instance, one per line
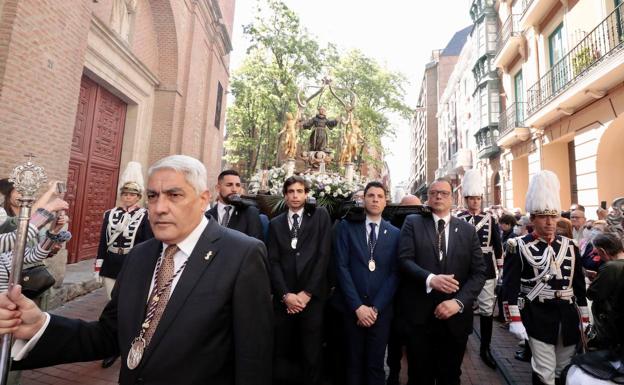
(230, 211)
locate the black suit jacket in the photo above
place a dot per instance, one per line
(418, 259)
(303, 268)
(217, 327)
(246, 220)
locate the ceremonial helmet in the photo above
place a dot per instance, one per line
(132, 179)
(543, 194)
(471, 184)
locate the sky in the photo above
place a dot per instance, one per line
(399, 34)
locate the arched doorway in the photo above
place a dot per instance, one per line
(610, 162)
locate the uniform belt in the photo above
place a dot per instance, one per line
(487, 249)
(119, 250)
(549, 294)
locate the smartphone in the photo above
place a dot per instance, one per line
(61, 188)
(603, 205)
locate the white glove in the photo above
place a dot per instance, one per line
(517, 329)
(96, 270)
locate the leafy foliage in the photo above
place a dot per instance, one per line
(283, 56)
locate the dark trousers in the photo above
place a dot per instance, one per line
(366, 349)
(335, 352)
(395, 351)
(298, 345)
(434, 354)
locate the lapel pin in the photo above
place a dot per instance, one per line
(385, 231)
(456, 229)
(208, 255)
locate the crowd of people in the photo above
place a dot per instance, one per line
(234, 297)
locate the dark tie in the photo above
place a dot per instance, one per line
(226, 217)
(441, 239)
(295, 226)
(372, 238)
(165, 275)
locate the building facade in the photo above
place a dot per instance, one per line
(89, 85)
(424, 130)
(562, 65)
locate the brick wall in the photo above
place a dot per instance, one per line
(43, 44)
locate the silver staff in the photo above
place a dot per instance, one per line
(27, 178)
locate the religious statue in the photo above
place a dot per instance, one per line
(319, 125)
(351, 139)
(121, 16)
(290, 129)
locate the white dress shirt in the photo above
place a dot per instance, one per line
(447, 220)
(368, 222)
(22, 347)
(290, 217)
(221, 210)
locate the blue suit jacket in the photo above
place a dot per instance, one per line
(357, 284)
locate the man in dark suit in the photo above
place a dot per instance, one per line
(191, 306)
(232, 213)
(366, 259)
(299, 247)
(442, 273)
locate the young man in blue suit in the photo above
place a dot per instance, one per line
(366, 258)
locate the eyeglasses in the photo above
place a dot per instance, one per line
(573, 217)
(443, 194)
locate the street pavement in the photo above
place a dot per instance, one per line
(88, 307)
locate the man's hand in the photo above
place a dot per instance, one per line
(366, 315)
(19, 315)
(446, 283)
(304, 297)
(293, 304)
(446, 309)
(61, 221)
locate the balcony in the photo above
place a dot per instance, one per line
(535, 11)
(512, 127)
(510, 42)
(486, 142)
(461, 160)
(586, 72)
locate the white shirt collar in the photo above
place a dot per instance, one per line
(298, 212)
(369, 221)
(188, 244)
(446, 219)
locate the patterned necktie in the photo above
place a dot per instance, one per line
(165, 274)
(294, 232)
(441, 239)
(372, 238)
(226, 217)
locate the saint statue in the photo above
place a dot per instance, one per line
(121, 15)
(290, 129)
(319, 125)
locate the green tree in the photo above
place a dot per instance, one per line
(283, 56)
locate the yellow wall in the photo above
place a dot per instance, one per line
(610, 162)
(555, 158)
(520, 170)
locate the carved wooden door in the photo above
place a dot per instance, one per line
(93, 166)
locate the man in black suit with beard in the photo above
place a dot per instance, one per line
(299, 248)
(191, 306)
(231, 212)
(442, 273)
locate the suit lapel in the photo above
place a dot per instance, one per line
(234, 219)
(214, 213)
(360, 236)
(202, 256)
(382, 238)
(304, 228)
(430, 230)
(452, 241)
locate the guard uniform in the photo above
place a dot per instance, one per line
(544, 287)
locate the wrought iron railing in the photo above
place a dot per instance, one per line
(510, 28)
(512, 118)
(486, 142)
(525, 5)
(600, 43)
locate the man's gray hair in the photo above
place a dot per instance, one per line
(193, 170)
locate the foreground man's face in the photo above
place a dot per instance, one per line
(175, 208)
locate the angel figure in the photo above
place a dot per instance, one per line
(351, 139)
